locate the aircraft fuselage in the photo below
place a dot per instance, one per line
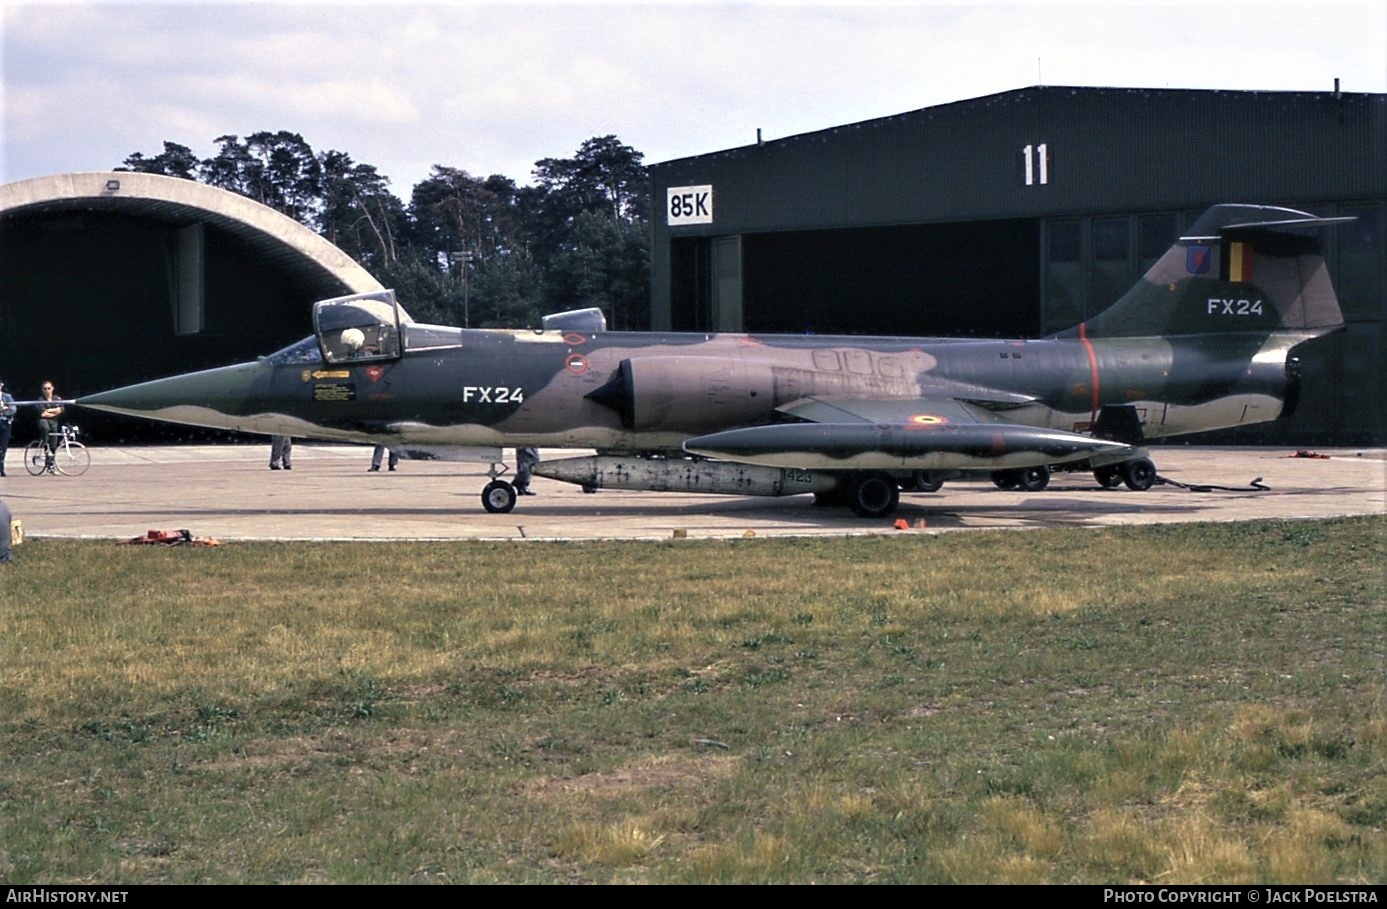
(650, 392)
(1203, 341)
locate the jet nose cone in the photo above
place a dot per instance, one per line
(215, 398)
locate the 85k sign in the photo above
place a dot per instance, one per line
(688, 205)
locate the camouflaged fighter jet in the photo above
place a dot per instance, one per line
(1206, 340)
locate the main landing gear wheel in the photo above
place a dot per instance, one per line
(498, 497)
(1006, 479)
(873, 495)
(1139, 474)
(924, 482)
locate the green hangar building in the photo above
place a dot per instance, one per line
(1026, 212)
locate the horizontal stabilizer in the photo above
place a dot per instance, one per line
(1223, 219)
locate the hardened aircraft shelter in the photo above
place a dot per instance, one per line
(113, 278)
(1024, 213)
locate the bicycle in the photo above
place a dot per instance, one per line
(68, 456)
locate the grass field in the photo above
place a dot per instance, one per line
(1174, 704)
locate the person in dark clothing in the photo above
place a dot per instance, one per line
(280, 449)
(7, 412)
(525, 461)
(380, 453)
(50, 420)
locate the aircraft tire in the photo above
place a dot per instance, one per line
(873, 495)
(1108, 476)
(498, 497)
(922, 482)
(1006, 479)
(1034, 479)
(1139, 474)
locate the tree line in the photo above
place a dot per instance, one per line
(465, 250)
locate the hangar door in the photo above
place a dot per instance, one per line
(975, 279)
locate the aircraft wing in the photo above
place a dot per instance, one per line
(926, 433)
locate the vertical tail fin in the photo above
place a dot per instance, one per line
(1239, 268)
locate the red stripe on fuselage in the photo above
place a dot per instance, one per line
(1092, 370)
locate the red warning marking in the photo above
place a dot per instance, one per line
(375, 372)
(1092, 368)
(576, 364)
(925, 421)
(573, 339)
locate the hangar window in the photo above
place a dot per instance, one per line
(1066, 282)
(1360, 276)
(1111, 274)
(1110, 239)
(1066, 241)
(1156, 233)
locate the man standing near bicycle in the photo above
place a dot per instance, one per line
(7, 412)
(50, 419)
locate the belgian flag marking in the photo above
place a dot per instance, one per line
(1239, 262)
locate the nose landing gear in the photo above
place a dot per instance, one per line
(498, 497)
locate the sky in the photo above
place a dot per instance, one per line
(492, 88)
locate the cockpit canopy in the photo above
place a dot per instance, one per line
(359, 328)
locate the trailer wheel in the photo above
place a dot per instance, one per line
(1108, 476)
(1139, 474)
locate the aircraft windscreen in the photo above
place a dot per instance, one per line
(305, 351)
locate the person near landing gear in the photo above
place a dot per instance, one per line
(280, 449)
(525, 461)
(378, 454)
